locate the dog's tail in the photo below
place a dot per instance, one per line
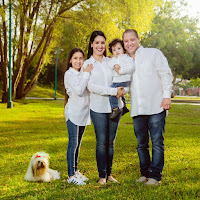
(54, 174)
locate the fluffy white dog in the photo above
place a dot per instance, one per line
(38, 169)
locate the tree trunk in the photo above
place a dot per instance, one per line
(20, 87)
(4, 77)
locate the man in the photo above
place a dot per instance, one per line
(150, 89)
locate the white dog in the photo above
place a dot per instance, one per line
(38, 169)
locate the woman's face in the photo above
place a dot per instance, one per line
(77, 61)
(99, 46)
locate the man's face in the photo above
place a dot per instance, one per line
(131, 42)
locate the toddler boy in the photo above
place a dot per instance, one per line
(123, 67)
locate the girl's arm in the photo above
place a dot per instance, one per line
(78, 87)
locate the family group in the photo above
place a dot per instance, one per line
(95, 90)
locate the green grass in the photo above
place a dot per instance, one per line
(44, 92)
(187, 98)
(32, 126)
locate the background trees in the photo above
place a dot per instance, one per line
(34, 23)
(178, 37)
(38, 29)
(41, 26)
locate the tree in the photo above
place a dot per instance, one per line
(33, 35)
(195, 82)
(177, 37)
(37, 28)
(112, 17)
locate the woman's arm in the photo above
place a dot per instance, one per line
(99, 89)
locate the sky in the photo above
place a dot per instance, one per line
(193, 7)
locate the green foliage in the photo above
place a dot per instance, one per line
(195, 82)
(34, 126)
(111, 17)
(177, 37)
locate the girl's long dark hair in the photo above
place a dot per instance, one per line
(71, 53)
(92, 37)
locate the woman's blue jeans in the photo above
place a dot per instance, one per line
(75, 136)
(105, 130)
(155, 125)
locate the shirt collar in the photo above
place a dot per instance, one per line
(93, 59)
(74, 71)
(139, 50)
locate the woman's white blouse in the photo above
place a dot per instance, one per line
(99, 85)
(77, 107)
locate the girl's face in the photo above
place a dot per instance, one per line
(77, 61)
(99, 46)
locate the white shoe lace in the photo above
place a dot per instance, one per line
(76, 180)
(81, 176)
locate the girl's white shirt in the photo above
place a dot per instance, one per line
(127, 67)
(77, 107)
(99, 85)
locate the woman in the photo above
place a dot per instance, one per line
(99, 86)
(76, 111)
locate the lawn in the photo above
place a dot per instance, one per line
(39, 125)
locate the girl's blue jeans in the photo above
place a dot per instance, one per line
(75, 136)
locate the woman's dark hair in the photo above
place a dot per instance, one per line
(92, 37)
(71, 53)
(114, 42)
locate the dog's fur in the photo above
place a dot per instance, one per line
(38, 169)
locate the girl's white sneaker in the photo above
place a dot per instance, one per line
(81, 176)
(76, 180)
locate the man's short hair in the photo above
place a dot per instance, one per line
(129, 31)
(114, 42)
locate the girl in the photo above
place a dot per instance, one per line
(76, 111)
(99, 86)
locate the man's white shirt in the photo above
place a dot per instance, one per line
(151, 82)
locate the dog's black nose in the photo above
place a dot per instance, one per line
(42, 164)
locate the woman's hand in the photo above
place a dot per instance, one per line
(88, 68)
(120, 92)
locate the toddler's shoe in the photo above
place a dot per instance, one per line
(115, 113)
(125, 110)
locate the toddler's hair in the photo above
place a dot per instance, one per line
(114, 42)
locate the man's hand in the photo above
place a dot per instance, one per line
(166, 103)
(120, 92)
(117, 68)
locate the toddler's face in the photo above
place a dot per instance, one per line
(117, 50)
